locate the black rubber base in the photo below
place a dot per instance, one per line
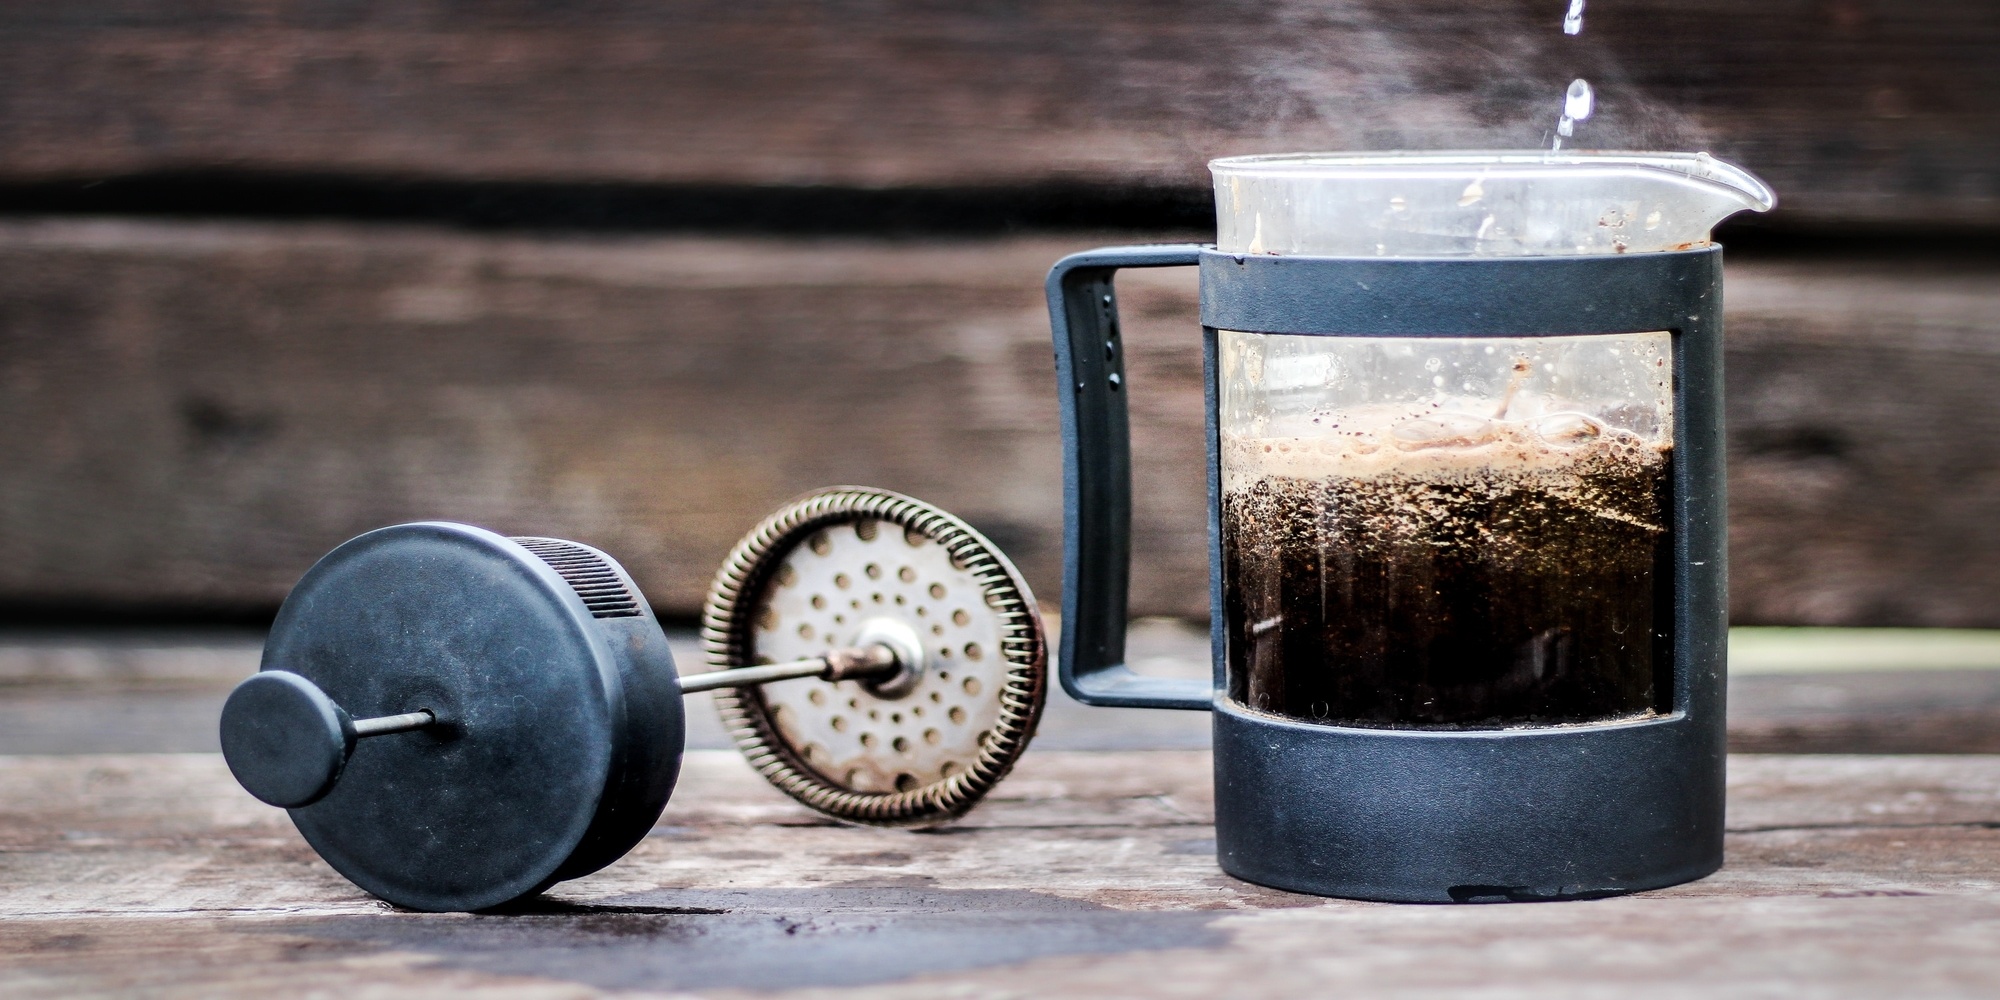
(1466, 817)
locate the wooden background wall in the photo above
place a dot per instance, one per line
(273, 273)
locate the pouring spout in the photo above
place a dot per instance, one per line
(1736, 189)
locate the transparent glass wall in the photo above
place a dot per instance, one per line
(1432, 532)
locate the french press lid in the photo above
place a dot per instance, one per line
(527, 727)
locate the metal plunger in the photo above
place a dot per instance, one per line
(875, 660)
(287, 742)
(541, 723)
(389, 725)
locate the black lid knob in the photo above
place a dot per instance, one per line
(285, 740)
(527, 697)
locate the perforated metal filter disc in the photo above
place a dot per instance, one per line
(833, 568)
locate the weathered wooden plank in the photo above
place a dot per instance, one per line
(195, 412)
(93, 694)
(180, 398)
(281, 390)
(1930, 711)
(1857, 110)
(1090, 874)
(1863, 436)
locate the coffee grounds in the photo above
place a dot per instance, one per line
(1431, 593)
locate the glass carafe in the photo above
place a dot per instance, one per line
(1466, 497)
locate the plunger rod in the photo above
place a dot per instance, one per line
(388, 724)
(836, 665)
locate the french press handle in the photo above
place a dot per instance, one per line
(1097, 481)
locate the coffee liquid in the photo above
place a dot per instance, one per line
(1426, 571)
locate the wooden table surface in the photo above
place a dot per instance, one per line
(1088, 874)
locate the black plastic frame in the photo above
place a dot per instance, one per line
(1419, 815)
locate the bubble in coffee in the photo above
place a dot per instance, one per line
(1448, 562)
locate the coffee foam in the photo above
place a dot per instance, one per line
(1428, 441)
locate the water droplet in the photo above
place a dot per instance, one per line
(1573, 21)
(1578, 100)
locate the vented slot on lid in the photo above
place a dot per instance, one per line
(588, 574)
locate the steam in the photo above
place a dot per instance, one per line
(1375, 74)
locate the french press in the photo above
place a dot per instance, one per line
(1466, 510)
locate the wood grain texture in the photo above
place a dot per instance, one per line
(1863, 436)
(1877, 712)
(1087, 874)
(202, 412)
(195, 413)
(1854, 109)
